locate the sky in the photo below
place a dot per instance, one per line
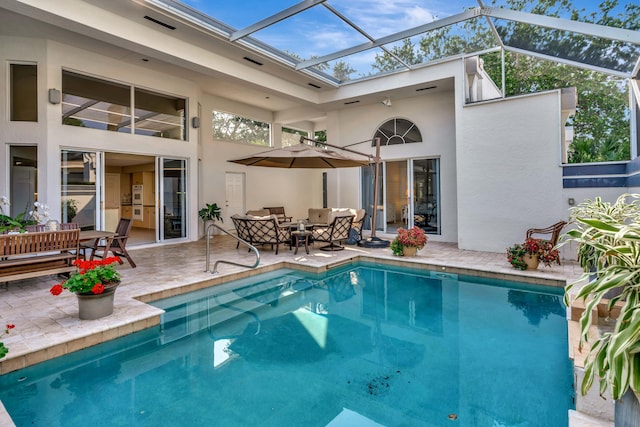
(317, 32)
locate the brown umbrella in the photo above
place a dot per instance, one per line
(320, 156)
(303, 156)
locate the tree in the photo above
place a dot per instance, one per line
(601, 123)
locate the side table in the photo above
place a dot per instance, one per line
(299, 236)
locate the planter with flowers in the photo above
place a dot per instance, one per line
(38, 215)
(409, 241)
(95, 285)
(528, 255)
(4, 349)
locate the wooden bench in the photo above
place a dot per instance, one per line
(27, 255)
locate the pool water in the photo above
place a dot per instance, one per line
(358, 346)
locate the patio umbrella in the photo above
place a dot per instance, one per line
(303, 156)
(321, 155)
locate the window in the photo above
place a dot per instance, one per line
(397, 131)
(23, 92)
(100, 104)
(159, 115)
(94, 103)
(229, 127)
(292, 136)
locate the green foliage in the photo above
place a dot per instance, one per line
(70, 207)
(601, 123)
(608, 238)
(210, 213)
(90, 274)
(396, 247)
(514, 256)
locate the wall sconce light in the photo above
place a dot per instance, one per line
(54, 96)
(195, 122)
(387, 102)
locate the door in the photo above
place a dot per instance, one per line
(173, 198)
(80, 183)
(23, 168)
(396, 195)
(426, 195)
(234, 203)
(111, 201)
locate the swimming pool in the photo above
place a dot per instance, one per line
(358, 346)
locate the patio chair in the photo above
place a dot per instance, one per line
(554, 230)
(356, 227)
(279, 212)
(335, 233)
(45, 227)
(262, 231)
(117, 245)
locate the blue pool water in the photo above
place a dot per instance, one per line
(358, 346)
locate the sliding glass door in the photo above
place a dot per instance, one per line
(173, 198)
(408, 195)
(81, 178)
(426, 194)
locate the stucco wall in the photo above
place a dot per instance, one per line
(434, 116)
(51, 136)
(295, 189)
(509, 176)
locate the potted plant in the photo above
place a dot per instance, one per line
(3, 349)
(529, 254)
(94, 284)
(38, 215)
(409, 241)
(210, 213)
(608, 240)
(70, 207)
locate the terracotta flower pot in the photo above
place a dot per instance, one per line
(531, 261)
(409, 250)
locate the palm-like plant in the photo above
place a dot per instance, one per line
(608, 238)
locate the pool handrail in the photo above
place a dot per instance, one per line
(220, 261)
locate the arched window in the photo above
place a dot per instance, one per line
(397, 131)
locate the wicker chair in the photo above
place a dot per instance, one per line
(554, 230)
(262, 231)
(335, 233)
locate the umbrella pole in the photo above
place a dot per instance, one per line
(373, 241)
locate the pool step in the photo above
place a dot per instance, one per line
(233, 309)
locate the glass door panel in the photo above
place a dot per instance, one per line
(173, 194)
(80, 182)
(23, 168)
(396, 195)
(426, 194)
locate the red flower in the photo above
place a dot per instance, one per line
(98, 288)
(10, 326)
(56, 289)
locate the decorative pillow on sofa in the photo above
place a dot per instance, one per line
(319, 215)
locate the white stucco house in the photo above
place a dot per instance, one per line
(111, 104)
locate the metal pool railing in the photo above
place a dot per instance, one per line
(215, 266)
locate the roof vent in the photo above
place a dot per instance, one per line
(155, 21)
(314, 85)
(426, 88)
(351, 102)
(253, 61)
